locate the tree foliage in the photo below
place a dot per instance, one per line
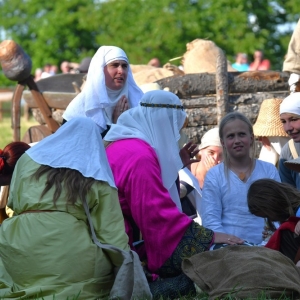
(52, 31)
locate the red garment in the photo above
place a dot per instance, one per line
(145, 200)
(274, 241)
(264, 65)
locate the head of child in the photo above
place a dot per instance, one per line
(290, 116)
(211, 147)
(8, 159)
(275, 201)
(236, 135)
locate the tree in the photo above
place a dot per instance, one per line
(49, 31)
(163, 28)
(55, 30)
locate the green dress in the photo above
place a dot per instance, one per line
(47, 253)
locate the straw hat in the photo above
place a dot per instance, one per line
(268, 121)
(293, 164)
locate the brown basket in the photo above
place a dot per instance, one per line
(268, 121)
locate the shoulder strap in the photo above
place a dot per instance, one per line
(96, 241)
(293, 149)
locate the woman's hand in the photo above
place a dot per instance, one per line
(224, 238)
(209, 162)
(187, 152)
(297, 228)
(267, 232)
(121, 106)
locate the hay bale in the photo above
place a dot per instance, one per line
(149, 76)
(139, 68)
(201, 57)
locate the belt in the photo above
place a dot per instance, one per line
(36, 211)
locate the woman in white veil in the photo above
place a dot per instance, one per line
(143, 152)
(109, 89)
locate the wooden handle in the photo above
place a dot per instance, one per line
(16, 64)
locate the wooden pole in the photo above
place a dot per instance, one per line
(43, 106)
(16, 111)
(221, 86)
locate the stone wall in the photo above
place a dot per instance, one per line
(202, 112)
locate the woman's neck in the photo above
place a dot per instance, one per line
(240, 163)
(242, 168)
(199, 172)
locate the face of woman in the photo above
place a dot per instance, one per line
(237, 139)
(116, 74)
(213, 151)
(291, 125)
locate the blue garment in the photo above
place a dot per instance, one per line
(287, 175)
(240, 67)
(224, 207)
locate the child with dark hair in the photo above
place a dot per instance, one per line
(278, 202)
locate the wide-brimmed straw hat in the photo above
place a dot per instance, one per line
(293, 164)
(268, 121)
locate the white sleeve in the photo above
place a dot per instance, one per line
(211, 202)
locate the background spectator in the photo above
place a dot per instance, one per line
(155, 62)
(259, 62)
(46, 71)
(241, 62)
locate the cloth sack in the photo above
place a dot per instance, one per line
(201, 56)
(243, 272)
(130, 281)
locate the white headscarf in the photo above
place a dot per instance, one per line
(159, 127)
(76, 145)
(95, 98)
(291, 104)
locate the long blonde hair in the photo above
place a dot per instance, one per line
(229, 118)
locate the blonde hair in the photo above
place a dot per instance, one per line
(229, 118)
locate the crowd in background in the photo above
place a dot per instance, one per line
(259, 63)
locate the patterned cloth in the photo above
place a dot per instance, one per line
(196, 239)
(171, 288)
(172, 283)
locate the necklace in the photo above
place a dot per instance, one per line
(243, 175)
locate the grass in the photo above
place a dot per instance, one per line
(6, 131)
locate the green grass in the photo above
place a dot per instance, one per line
(6, 131)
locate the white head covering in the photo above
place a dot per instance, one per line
(210, 138)
(96, 101)
(291, 104)
(76, 145)
(159, 127)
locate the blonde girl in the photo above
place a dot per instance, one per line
(224, 201)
